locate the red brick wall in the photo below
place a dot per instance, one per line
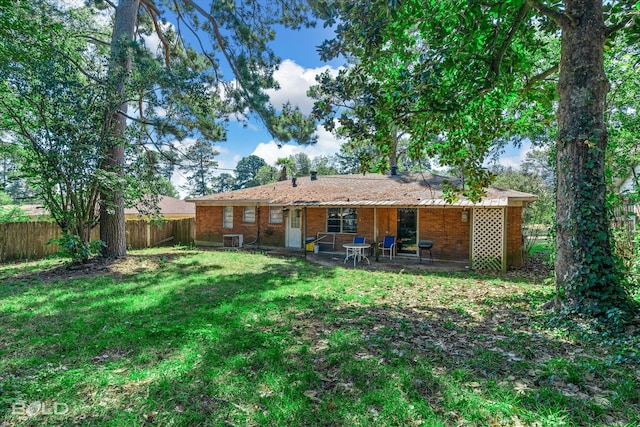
(387, 222)
(445, 228)
(317, 223)
(209, 226)
(514, 236)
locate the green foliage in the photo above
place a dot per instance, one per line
(199, 165)
(598, 286)
(324, 165)
(300, 164)
(538, 217)
(407, 78)
(54, 113)
(10, 212)
(540, 212)
(239, 36)
(76, 248)
(247, 170)
(223, 183)
(267, 174)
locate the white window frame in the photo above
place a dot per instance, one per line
(227, 217)
(342, 212)
(249, 214)
(275, 215)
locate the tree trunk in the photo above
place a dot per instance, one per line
(112, 220)
(585, 272)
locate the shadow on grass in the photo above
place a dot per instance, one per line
(282, 342)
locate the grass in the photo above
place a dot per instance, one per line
(540, 246)
(188, 338)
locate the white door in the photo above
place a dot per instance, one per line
(294, 231)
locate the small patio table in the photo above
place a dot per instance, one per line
(356, 250)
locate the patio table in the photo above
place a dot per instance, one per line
(356, 250)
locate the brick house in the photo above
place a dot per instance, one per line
(334, 209)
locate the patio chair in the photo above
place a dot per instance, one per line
(358, 240)
(388, 244)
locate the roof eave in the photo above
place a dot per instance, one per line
(230, 202)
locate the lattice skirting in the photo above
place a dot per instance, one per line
(488, 239)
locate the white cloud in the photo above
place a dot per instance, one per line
(294, 82)
(152, 41)
(327, 145)
(515, 156)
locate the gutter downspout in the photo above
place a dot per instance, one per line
(258, 219)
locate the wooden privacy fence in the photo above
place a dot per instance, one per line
(28, 240)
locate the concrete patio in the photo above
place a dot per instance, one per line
(398, 263)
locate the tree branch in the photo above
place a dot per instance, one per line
(135, 119)
(540, 77)
(559, 18)
(96, 40)
(79, 68)
(195, 34)
(153, 13)
(615, 28)
(519, 18)
(222, 44)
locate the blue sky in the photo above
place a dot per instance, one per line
(300, 64)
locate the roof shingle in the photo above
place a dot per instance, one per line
(407, 189)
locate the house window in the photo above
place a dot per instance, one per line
(342, 220)
(275, 215)
(295, 219)
(249, 214)
(227, 217)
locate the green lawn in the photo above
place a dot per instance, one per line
(188, 338)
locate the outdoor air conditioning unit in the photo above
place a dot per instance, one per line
(232, 240)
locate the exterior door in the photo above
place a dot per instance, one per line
(407, 239)
(294, 230)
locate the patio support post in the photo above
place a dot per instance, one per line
(504, 239)
(258, 222)
(375, 230)
(418, 233)
(304, 231)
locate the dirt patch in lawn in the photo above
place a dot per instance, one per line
(114, 267)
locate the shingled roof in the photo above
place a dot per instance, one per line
(407, 189)
(167, 206)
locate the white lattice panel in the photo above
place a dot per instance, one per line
(488, 239)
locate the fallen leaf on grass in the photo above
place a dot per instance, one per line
(313, 395)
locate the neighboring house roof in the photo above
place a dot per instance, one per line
(407, 189)
(167, 206)
(34, 210)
